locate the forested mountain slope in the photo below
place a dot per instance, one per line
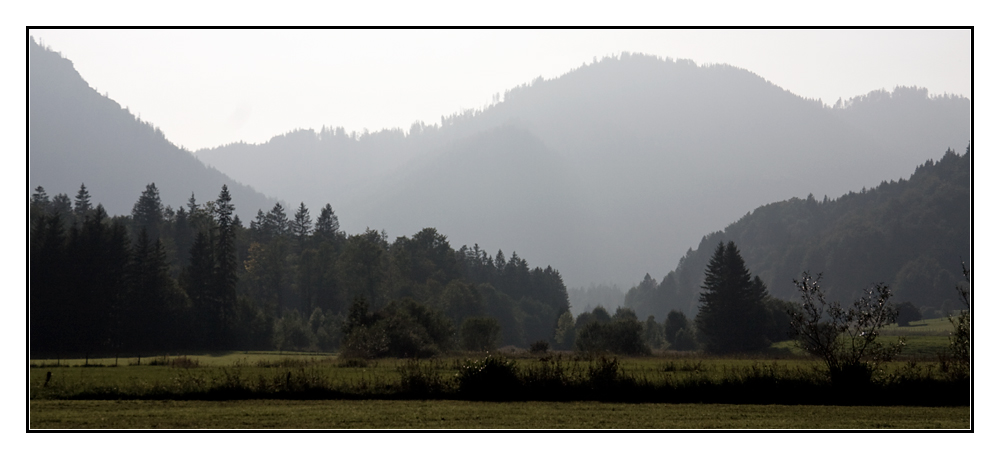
(911, 234)
(76, 135)
(647, 155)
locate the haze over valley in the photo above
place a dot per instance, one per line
(608, 172)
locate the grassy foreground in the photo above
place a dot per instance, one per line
(451, 414)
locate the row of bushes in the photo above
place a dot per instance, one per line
(497, 378)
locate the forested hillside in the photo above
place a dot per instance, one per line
(611, 169)
(911, 234)
(78, 136)
(198, 278)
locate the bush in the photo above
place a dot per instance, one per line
(492, 378)
(957, 361)
(845, 338)
(420, 379)
(539, 347)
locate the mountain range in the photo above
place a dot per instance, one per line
(78, 136)
(610, 171)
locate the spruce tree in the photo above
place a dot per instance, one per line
(81, 206)
(302, 225)
(731, 317)
(225, 275)
(198, 281)
(327, 225)
(147, 213)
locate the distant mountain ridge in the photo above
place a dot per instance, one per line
(78, 136)
(648, 155)
(912, 235)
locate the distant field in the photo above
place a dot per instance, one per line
(221, 359)
(447, 414)
(929, 327)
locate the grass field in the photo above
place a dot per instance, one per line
(318, 391)
(449, 414)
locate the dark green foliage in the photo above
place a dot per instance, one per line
(225, 270)
(907, 313)
(61, 205)
(621, 335)
(327, 225)
(652, 333)
(362, 266)
(301, 227)
(498, 305)
(539, 347)
(684, 340)
(155, 303)
(957, 361)
(461, 300)
(732, 317)
(479, 334)
(778, 326)
(565, 338)
(404, 329)
(492, 378)
(676, 321)
(147, 213)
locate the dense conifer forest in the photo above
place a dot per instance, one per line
(197, 277)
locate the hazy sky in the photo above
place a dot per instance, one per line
(206, 88)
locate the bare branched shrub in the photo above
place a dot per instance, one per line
(846, 338)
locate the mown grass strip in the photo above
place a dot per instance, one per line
(450, 414)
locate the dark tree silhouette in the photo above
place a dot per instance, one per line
(732, 315)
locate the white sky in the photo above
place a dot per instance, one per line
(206, 88)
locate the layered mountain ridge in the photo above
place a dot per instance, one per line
(77, 135)
(634, 158)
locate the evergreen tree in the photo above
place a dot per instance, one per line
(275, 222)
(302, 225)
(731, 317)
(155, 302)
(327, 225)
(61, 205)
(82, 205)
(40, 198)
(147, 213)
(226, 268)
(198, 281)
(47, 273)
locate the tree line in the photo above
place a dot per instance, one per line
(908, 233)
(198, 278)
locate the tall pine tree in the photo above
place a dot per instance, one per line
(731, 317)
(226, 274)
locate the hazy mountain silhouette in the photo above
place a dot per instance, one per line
(78, 136)
(911, 234)
(647, 155)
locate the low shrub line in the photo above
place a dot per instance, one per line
(497, 378)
